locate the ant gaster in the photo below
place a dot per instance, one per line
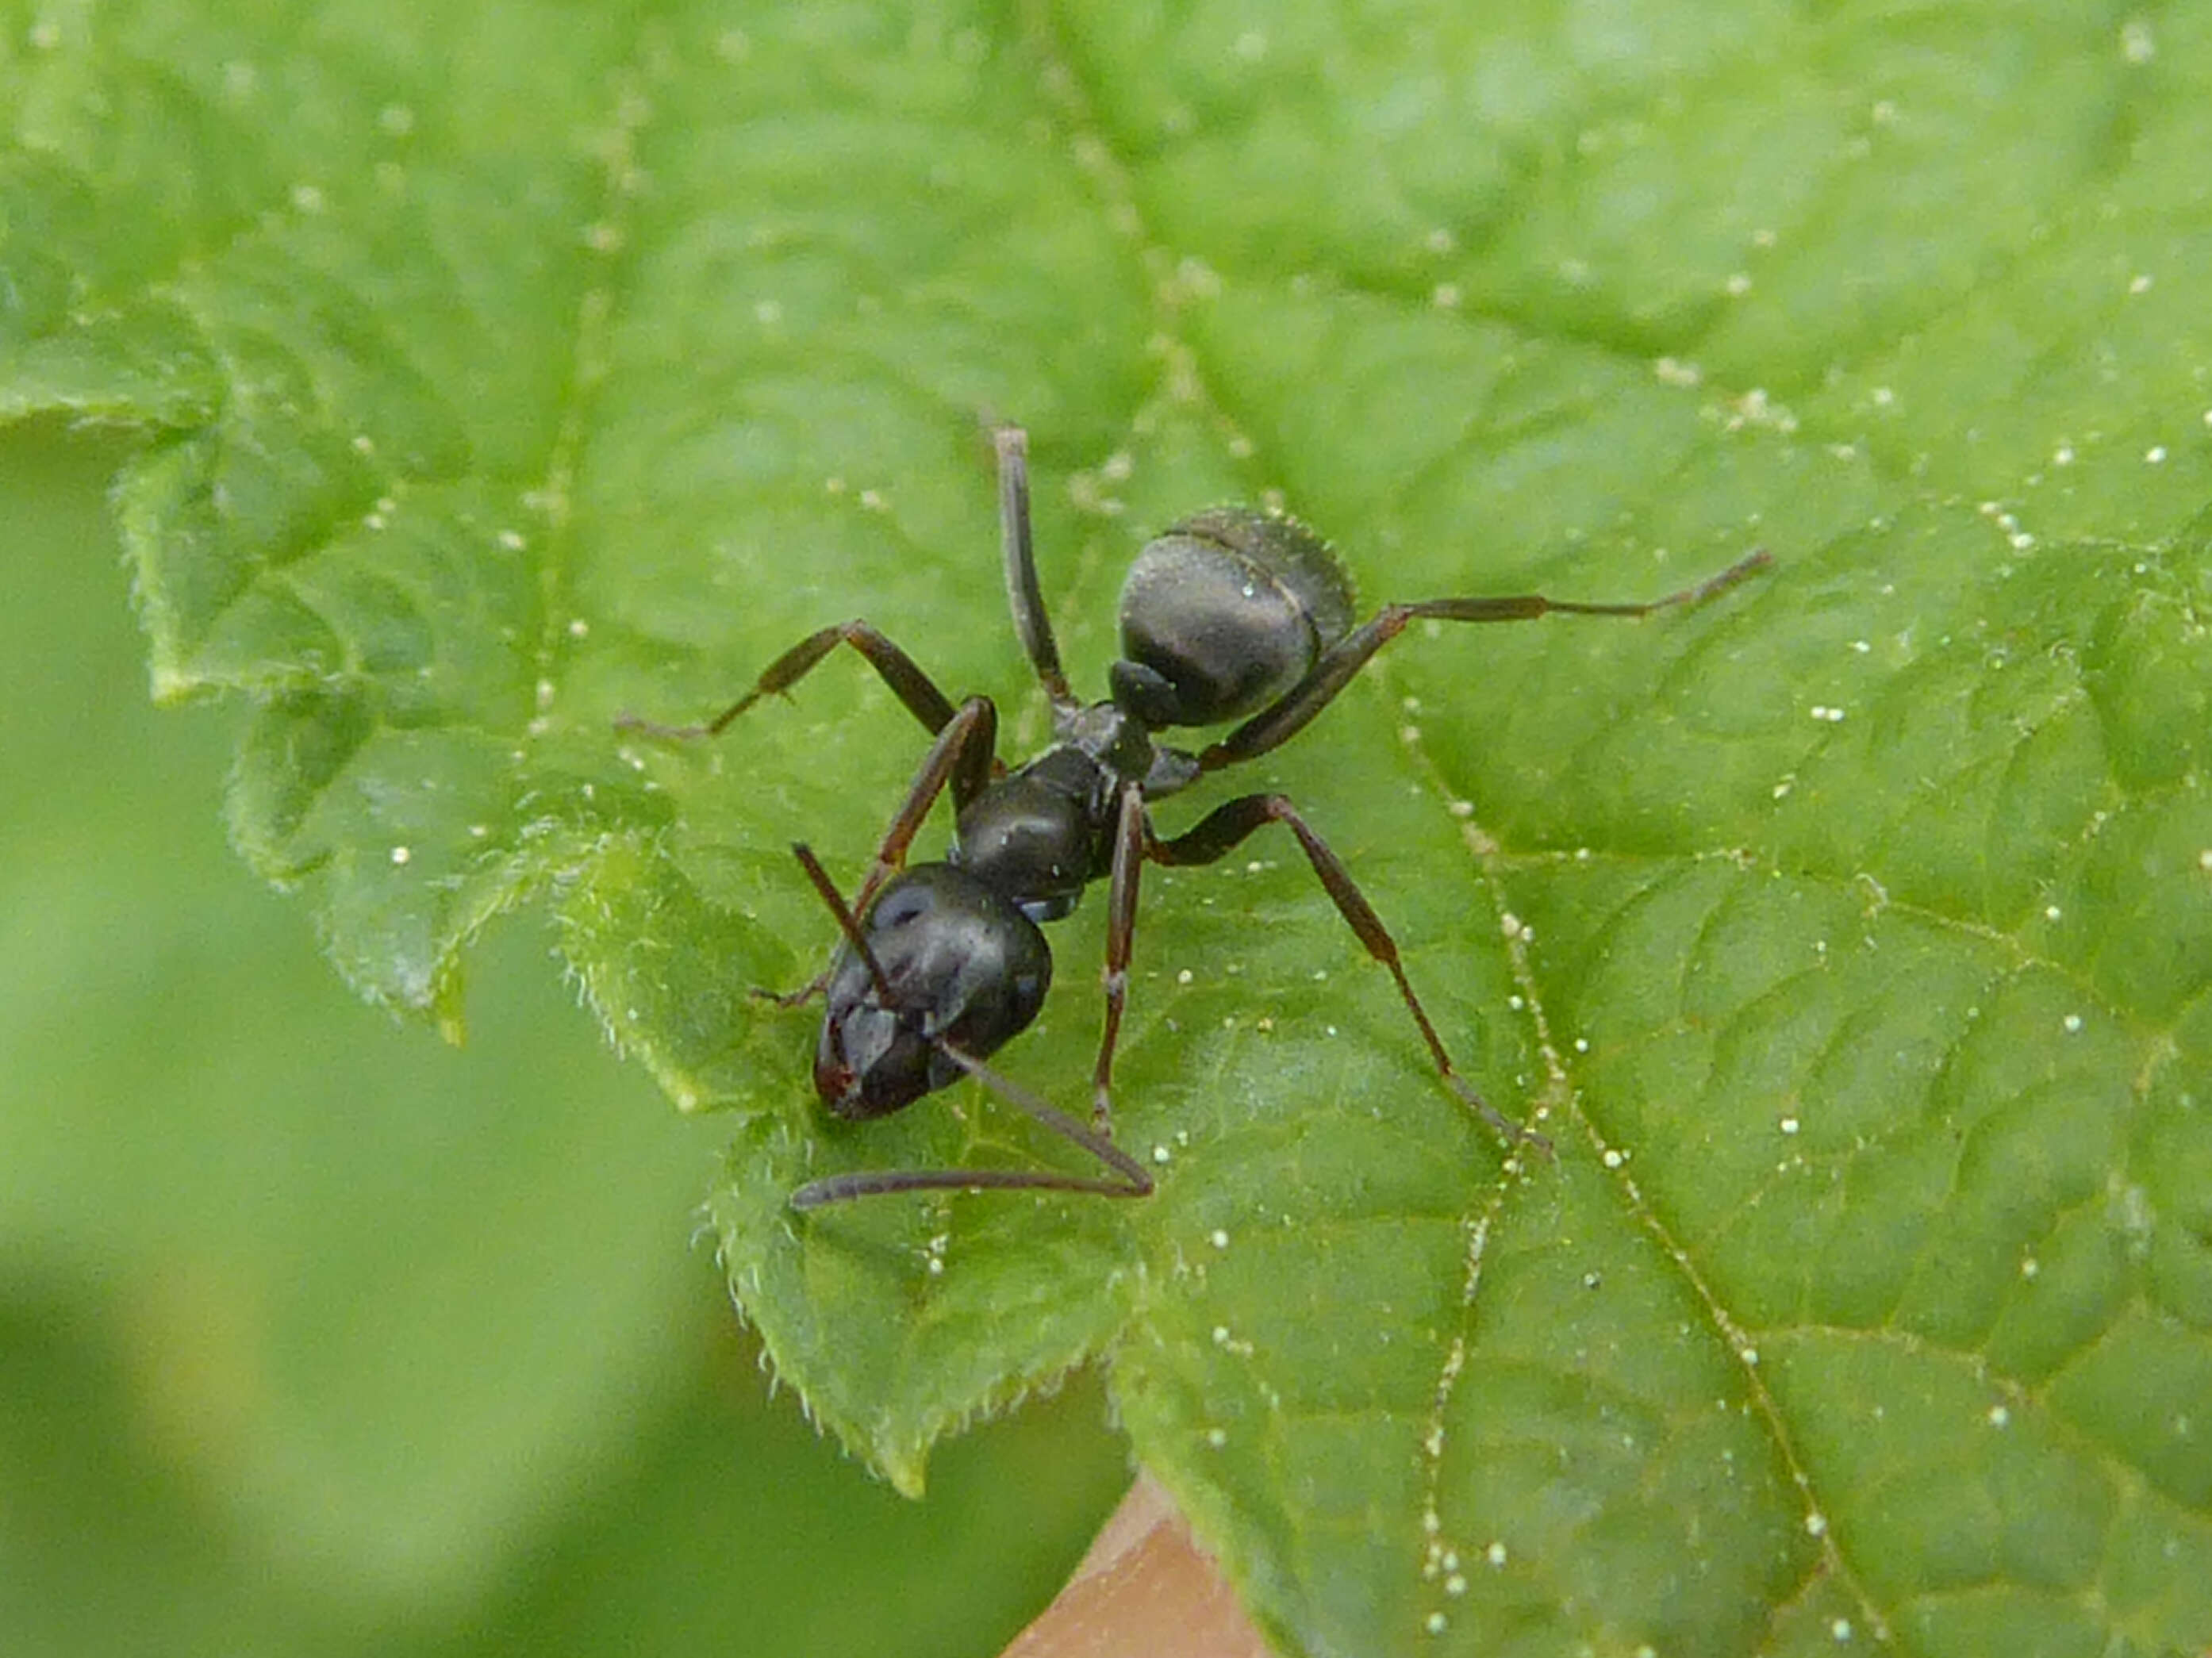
(1231, 614)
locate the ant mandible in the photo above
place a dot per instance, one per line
(1230, 615)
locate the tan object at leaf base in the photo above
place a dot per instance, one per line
(1145, 1590)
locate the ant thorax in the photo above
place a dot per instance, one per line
(1035, 836)
(1122, 745)
(1110, 735)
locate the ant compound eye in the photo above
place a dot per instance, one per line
(902, 906)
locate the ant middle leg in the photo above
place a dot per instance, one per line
(1131, 834)
(1291, 713)
(1223, 829)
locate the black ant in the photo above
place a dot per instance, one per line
(1230, 614)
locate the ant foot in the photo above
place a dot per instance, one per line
(790, 999)
(1513, 1133)
(654, 728)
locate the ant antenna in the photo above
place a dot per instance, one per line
(846, 922)
(1130, 1179)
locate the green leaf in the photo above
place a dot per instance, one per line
(508, 368)
(316, 1337)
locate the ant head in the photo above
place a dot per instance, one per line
(947, 961)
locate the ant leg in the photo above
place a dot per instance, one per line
(1290, 713)
(897, 670)
(961, 754)
(1023, 593)
(1223, 828)
(1129, 1179)
(1131, 834)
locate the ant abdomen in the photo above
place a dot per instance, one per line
(1222, 613)
(962, 966)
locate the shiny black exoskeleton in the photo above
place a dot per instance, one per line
(966, 969)
(1227, 611)
(1230, 614)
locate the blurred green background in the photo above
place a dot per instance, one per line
(319, 1336)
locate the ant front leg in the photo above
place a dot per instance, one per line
(1291, 713)
(963, 755)
(1223, 829)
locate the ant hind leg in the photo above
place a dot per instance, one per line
(1226, 826)
(1291, 713)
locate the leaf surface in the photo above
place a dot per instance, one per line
(509, 367)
